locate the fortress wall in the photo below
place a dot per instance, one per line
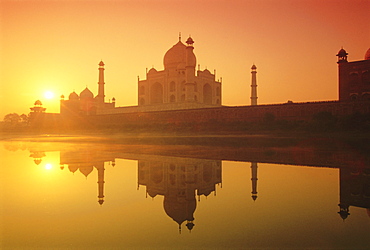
(288, 111)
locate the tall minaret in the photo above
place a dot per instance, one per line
(254, 180)
(342, 74)
(190, 71)
(254, 86)
(101, 83)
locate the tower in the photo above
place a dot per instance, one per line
(342, 74)
(342, 56)
(254, 180)
(101, 95)
(100, 168)
(189, 71)
(38, 107)
(254, 86)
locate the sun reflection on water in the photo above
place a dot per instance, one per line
(48, 166)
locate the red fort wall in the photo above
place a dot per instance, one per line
(224, 115)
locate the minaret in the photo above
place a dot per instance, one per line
(101, 83)
(189, 71)
(100, 167)
(254, 180)
(342, 74)
(254, 86)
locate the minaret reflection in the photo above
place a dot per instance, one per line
(254, 180)
(101, 169)
(180, 180)
(354, 190)
(85, 160)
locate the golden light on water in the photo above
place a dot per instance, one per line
(48, 166)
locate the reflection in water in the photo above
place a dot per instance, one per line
(179, 180)
(181, 183)
(37, 156)
(254, 180)
(354, 190)
(85, 160)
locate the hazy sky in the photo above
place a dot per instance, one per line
(57, 45)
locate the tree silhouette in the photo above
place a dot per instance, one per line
(12, 118)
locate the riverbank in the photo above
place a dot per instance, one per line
(329, 140)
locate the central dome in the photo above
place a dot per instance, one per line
(367, 55)
(86, 93)
(175, 57)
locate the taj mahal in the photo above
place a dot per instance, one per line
(178, 86)
(182, 94)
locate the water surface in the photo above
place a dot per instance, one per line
(62, 195)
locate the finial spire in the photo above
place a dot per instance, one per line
(179, 36)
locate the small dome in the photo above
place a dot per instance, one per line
(190, 225)
(38, 103)
(62, 97)
(101, 63)
(342, 52)
(190, 41)
(86, 170)
(73, 96)
(152, 70)
(254, 67)
(86, 93)
(367, 55)
(73, 167)
(152, 193)
(207, 71)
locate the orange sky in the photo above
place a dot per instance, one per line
(57, 45)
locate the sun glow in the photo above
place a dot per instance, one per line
(48, 166)
(49, 95)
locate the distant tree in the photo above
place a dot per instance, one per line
(12, 118)
(24, 118)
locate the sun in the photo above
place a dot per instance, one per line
(49, 95)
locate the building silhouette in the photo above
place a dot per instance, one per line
(37, 108)
(86, 103)
(179, 95)
(179, 82)
(354, 77)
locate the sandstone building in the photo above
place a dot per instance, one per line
(179, 82)
(354, 77)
